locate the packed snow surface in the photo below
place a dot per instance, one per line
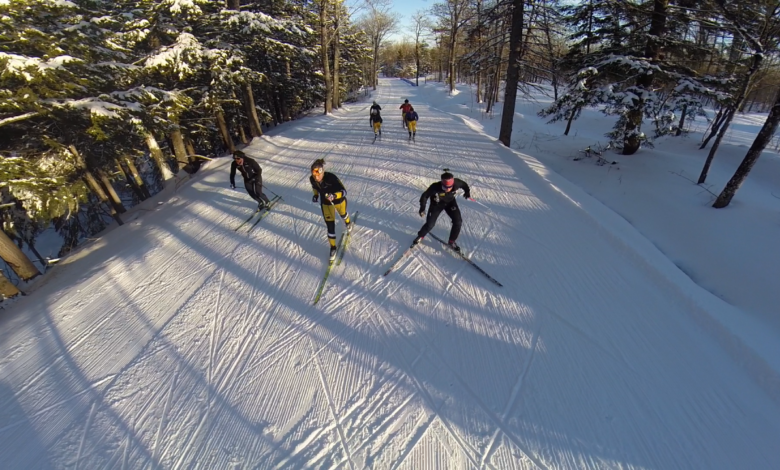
(176, 342)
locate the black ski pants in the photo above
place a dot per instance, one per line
(435, 210)
(255, 189)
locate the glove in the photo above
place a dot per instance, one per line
(422, 212)
(467, 195)
(330, 197)
(232, 186)
(315, 199)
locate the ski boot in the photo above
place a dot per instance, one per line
(332, 253)
(454, 246)
(416, 241)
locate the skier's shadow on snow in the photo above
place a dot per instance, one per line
(395, 353)
(19, 433)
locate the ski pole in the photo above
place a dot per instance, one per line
(271, 191)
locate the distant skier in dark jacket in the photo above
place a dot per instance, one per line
(442, 196)
(411, 119)
(376, 119)
(253, 177)
(332, 196)
(375, 107)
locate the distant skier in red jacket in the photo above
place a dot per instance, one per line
(405, 109)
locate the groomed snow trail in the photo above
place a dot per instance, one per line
(175, 342)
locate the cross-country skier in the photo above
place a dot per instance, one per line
(442, 196)
(411, 119)
(375, 120)
(332, 196)
(404, 109)
(375, 106)
(253, 177)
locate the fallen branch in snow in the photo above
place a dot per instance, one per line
(694, 182)
(21, 117)
(600, 160)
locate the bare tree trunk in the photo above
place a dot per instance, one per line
(93, 184)
(551, 53)
(130, 180)
(284, 110)
(489, 93)
(762, 140)
(223, 129)
(336, 59)
(7, 289)
(242, 135)
(375, 61)
(716, 123)
(275, 114)
(179, 150)
(32, 248)
(758, 58)
(569, 121)
(158, 157)
(682, 120)
(417, 62)
(497, 84)
(531, 25)
(325, 56)
(11, 254)
(440, 62)
(255, 129)
(137, 177)
(479, 47)
(453, 45)
(512, 73)
(189, 146)
(113, 197)
(631, 139)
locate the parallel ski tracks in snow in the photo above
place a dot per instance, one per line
(333, 412)
(220, 360)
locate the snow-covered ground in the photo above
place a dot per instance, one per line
(732, 252)
(175, 341)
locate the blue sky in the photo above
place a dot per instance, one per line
(406, 9)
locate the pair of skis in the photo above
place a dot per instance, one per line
(263, 212)
(341, 247)
(460, 254)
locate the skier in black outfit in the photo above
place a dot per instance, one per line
(253, 177)
(332, 196)
(442, 196)
(375, 119)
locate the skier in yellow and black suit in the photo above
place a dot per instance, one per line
(332, 196)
